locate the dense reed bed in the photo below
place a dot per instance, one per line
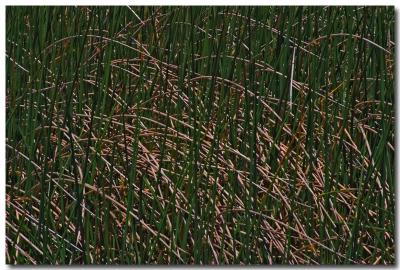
(200, 135)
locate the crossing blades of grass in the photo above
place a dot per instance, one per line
(200, 135)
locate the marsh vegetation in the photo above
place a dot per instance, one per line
(200, 135)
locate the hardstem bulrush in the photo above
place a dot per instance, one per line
(200, 135)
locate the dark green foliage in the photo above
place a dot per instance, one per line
(200, 135)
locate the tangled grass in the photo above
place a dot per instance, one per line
(200, 135)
